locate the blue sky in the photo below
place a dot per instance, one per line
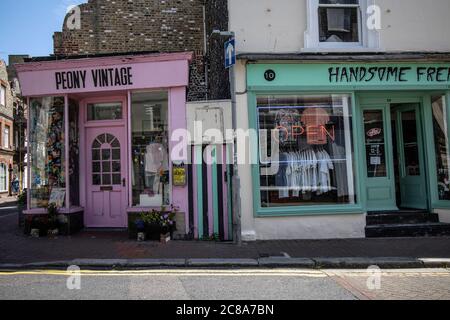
(27, 26)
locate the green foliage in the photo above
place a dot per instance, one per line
(52, 211)
(22, 199)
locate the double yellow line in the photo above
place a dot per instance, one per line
(172, 272)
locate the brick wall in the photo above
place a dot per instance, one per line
(8, 109)
(109, 26)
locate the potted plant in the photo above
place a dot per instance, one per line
(52, 216)
(156, 225)
(140, 228)
(39, 226)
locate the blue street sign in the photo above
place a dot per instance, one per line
(230, 53)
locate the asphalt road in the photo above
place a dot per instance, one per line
(258, 284)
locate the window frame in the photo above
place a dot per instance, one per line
(94, 103)
(317, 210)
(368, 39)
(3, 165)
(2, 95)
(6, 135)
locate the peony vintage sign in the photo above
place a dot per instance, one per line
(100, 78)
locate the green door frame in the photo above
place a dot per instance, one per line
(379, 191)
(423, 203)
(425, 110)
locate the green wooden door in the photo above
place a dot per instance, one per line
(411, 157)
(378, 160)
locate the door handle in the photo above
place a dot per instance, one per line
(124, 182)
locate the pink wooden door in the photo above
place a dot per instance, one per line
(106, 192)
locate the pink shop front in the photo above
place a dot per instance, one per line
(99, 136)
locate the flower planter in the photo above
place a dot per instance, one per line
(153, 232)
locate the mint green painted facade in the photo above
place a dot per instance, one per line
(372, 86)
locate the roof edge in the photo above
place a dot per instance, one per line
(58, 62)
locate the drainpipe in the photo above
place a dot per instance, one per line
(205, 53)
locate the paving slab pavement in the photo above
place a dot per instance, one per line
(18, 249)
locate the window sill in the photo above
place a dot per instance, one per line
(355, 49)
(330, 210)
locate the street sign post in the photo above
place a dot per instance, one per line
(230, 53)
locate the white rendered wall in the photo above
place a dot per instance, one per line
(278, 26)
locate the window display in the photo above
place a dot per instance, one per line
(440, 127)
(314, 159)
(150, 153)
(74, 152)
(47, 148)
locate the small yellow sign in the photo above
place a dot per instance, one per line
(179, 175)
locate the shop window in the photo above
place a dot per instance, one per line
(313, 163)
(3, 177)
(74, 153)
(105, 111)
(106, 166)
(150, 149)
(339, 24)
(6, 137)
(2, 95)
(47, 150)
(441, 146)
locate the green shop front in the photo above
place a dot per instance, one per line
(354, 140)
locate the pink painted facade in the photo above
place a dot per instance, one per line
(109, 80)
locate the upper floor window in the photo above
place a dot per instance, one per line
(339, 21)
(339, 24)
(2, 95)
(6, 133)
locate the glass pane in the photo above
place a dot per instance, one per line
(115, 144)
(149, 121)
(106, 167)
(410, 143)
(105, 111)
(96, 181)
(116, 166)
(102, 138)
(96, 167)
(116, 154)
(47, 149)
(74, 153)
(106, 154)
(96, 144)
(106, 180)
(306, 153)
(338, 25)
(375, 143)
(96, 154)
(109, 138)
(117, 179)
(440, 127)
